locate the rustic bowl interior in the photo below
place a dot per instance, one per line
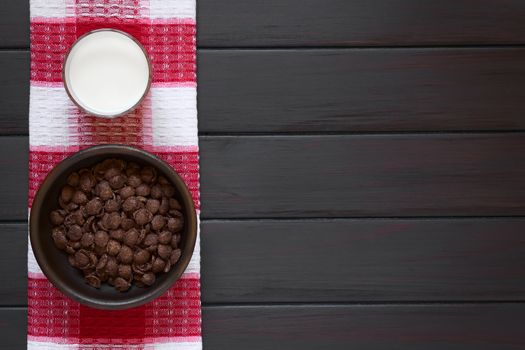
(54, 262)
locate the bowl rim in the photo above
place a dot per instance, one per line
(114, 150)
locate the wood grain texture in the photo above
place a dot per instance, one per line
(344, 90)
(14, 89)
(13, 328)
(380, 327)
(282, 91)
(336, 176)
(318, 261)
(360, 22)
(452, 327)
(361, 90)
(235, 23)
(14, 170)
(363, 260)
(14, 23)
(13, 264)
(363, 176)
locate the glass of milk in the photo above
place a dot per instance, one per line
(107, 73)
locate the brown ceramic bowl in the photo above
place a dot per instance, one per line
(53, 262)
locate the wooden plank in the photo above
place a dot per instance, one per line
(234, 23)
(381, 327)
(14, 23)
(13, 264)
(14, 106)
(13, 328)
(336, 176)
(414, 327)
(361, 90)
(281, 91)
(360, 22)
(363, 260)
(337, 261)
(14, 160)
(363, 176)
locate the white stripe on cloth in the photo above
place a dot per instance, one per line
(32, 266)
(53, 116)
(194, 265)
(172, 9)
(174, 111)
(51, 8)
(36, 345)
(178, 346)
(33, 269)
(50, 109)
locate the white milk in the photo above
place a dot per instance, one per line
(107, 73)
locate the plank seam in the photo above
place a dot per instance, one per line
(331, 219)
(329, 47)
(333, 305)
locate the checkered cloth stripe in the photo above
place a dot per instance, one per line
(165, 124)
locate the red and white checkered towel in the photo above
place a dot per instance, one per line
(165, 125)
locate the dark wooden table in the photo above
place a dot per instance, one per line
(363, 173)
